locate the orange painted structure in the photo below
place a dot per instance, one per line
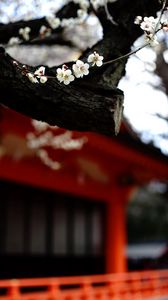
(105, 169)
(126, 286)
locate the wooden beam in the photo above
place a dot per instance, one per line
(157, 165)
(34, 173)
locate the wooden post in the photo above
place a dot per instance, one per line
(116, 239)
(14, 290)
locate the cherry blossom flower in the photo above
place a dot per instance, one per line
(32, 78)
(40, 71)
(43, 155)
(40, 74)
(138, 20)
(60, 74)
(64, 75)
(95, 59)
(44, 31)
(97, 3)
(82, 14)
(68, 22)
(39, 126)
(84, 4)
(14, 41)
(80, 69)
(53, 21)
(43, 79)
(25, 33)
(149, 24)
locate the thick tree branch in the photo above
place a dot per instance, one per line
(66, 106)
(89, 104)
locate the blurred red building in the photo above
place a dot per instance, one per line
(69, 221)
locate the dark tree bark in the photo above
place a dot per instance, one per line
(90, 104)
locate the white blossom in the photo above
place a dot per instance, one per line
(53, 21)
(39, 126)
(98, 3)
(40, 71)
(68, 77)
(84, 4)
(95, 59)
(40, 74)
(43, 79)
(64, 75)
(25, 33)
(138, 20)
(44, 31)
(65, 141)
(14, 41)
(43, 155)
(69, 22)
(60, 74)
(80, 69)
(149, 24)
(32, 78)
(82, 14)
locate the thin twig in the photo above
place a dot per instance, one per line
(126, 55)
(160, 16)
(109, 17)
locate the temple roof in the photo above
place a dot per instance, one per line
(92, 169)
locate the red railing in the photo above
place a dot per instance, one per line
(127, 286)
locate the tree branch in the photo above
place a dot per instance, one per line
(92, 103)
(65, 106)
